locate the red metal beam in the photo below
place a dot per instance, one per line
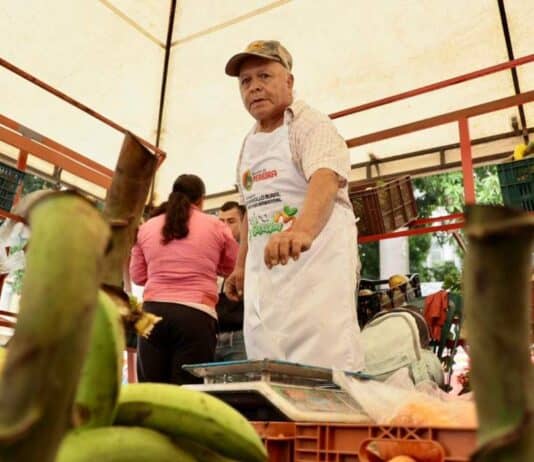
(54, 157)
(55, 145)
(5, 323)
(77, 157)
(467, 162)
(435, 86)
(424, 221)
(8, 313)
(22, 160)
(73, 102)
(410, 232)
(12, 216)
(442, 119)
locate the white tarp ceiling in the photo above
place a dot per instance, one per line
(109, 54)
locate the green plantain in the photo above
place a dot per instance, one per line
(100, 382)
(201, 453)
(191, 415)
(120, 444)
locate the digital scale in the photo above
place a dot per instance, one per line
(268, 390)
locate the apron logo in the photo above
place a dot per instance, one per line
(246, 180)
(286, 216)
(281, 220)
(263, 225)
(249, 178)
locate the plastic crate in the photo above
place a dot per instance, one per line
(517, 183)
(278, 438)
(307, 442)
(10, 179)
(367, 307)
(383, 208)
(384, 298)
(410, 290)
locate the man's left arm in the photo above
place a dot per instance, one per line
(317, 208)
(325, 163)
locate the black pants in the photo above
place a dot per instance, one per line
(185, 335)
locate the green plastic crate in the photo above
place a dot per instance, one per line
(517, 183)
(10, 179)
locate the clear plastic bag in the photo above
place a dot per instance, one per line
(398, 402)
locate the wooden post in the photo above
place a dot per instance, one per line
(497, 307)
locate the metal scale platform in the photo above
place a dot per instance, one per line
(268, 390)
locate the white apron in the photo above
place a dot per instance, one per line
(304, 311)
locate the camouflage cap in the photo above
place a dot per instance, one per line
(268, 49)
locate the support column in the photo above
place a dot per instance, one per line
(394, 257)
(467, 161)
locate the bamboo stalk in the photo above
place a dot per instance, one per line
(497, 303)
(125, 202)
(45, 356)
(123, 209)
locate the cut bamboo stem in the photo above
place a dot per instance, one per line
(125, 202)
(123, 209)
(497, 304)
(45, 357)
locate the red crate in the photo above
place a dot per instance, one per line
(383, 207)
(279, 439)
(336, 442)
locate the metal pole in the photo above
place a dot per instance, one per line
(467, 161)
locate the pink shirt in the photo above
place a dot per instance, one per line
(184, 270)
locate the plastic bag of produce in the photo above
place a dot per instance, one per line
(399, 402)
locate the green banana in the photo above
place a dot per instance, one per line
(201, 453)
(120, 444)
(192, 415)
(100, 382)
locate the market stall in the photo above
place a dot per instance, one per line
(62, 391)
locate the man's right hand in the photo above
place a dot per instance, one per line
(233, 285)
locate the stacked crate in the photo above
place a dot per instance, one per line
(383, 206)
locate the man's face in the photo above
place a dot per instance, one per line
(233, 219)
(266, 88)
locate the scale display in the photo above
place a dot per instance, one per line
(316, 400)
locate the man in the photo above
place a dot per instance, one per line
(230, 342)
(298, 258)
(231, 214)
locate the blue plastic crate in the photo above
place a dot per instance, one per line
(517, 183)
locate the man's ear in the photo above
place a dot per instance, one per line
(290, 80)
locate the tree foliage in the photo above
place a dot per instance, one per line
(33, 183)
(446, 190)
(443, 191)
(370, 259)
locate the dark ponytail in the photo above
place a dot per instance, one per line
(157, 210)
(187, 190)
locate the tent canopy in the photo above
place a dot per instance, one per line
(110, 55)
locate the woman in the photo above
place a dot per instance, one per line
(177, 257)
